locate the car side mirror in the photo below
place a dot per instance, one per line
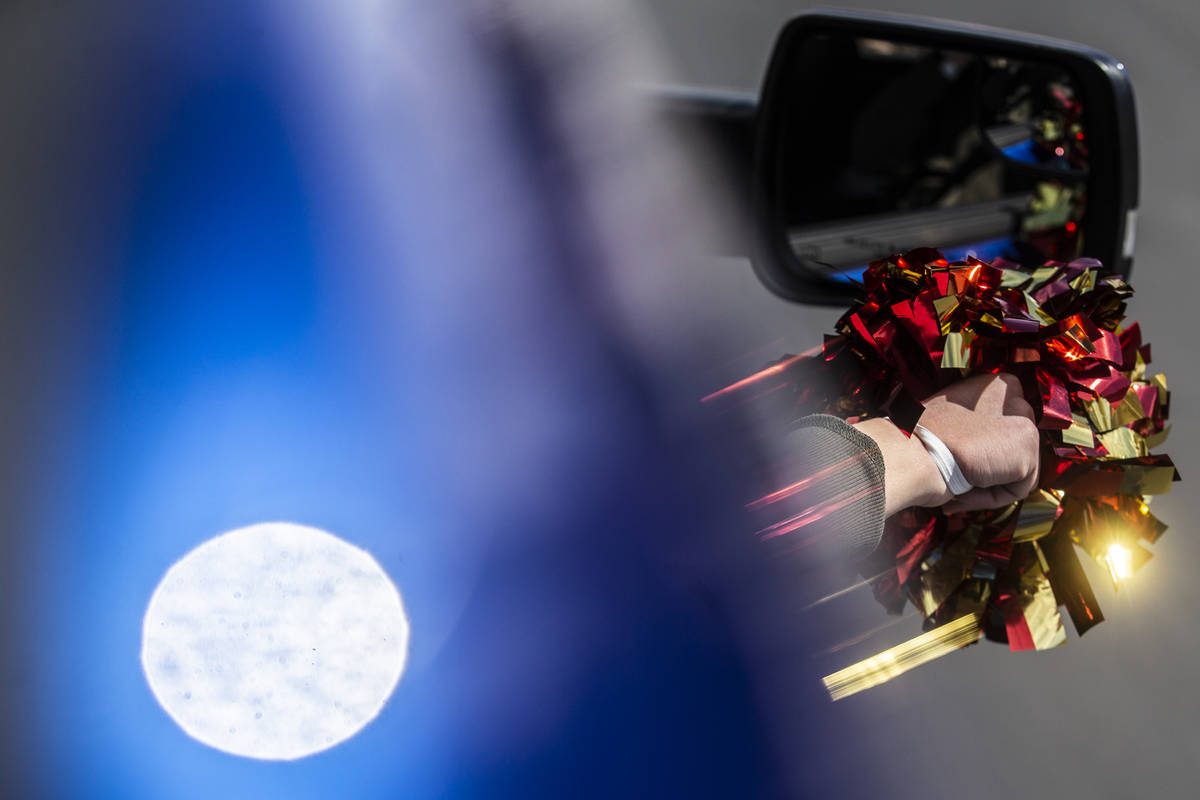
(877, 134)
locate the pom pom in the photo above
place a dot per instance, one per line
(926, 323)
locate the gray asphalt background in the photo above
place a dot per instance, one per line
(1113, 714)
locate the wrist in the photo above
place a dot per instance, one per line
(911, 478)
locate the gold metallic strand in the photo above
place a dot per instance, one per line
(1036, 309)
(1080, 433)
(1124, 443)
(940, 578)
(1100, 412)
(1156, 439)
(1013, 278)
(1146, 480)
(892, 663)
(1041, 609)
(1130, 409)
(956, 352)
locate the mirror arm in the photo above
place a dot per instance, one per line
(720, 125)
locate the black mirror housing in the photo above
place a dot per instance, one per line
(1103, 183)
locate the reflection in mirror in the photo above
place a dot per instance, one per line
(892, 146)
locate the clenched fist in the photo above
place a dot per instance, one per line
(988, 427)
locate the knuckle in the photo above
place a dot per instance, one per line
(1028, 441)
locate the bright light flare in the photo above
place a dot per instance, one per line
(1119, 561)
(274, 641)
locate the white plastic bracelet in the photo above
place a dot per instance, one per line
(952, 474)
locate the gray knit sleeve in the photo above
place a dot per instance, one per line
(831, 492)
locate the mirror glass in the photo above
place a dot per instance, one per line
(890, 146)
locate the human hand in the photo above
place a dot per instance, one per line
(986, 424)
